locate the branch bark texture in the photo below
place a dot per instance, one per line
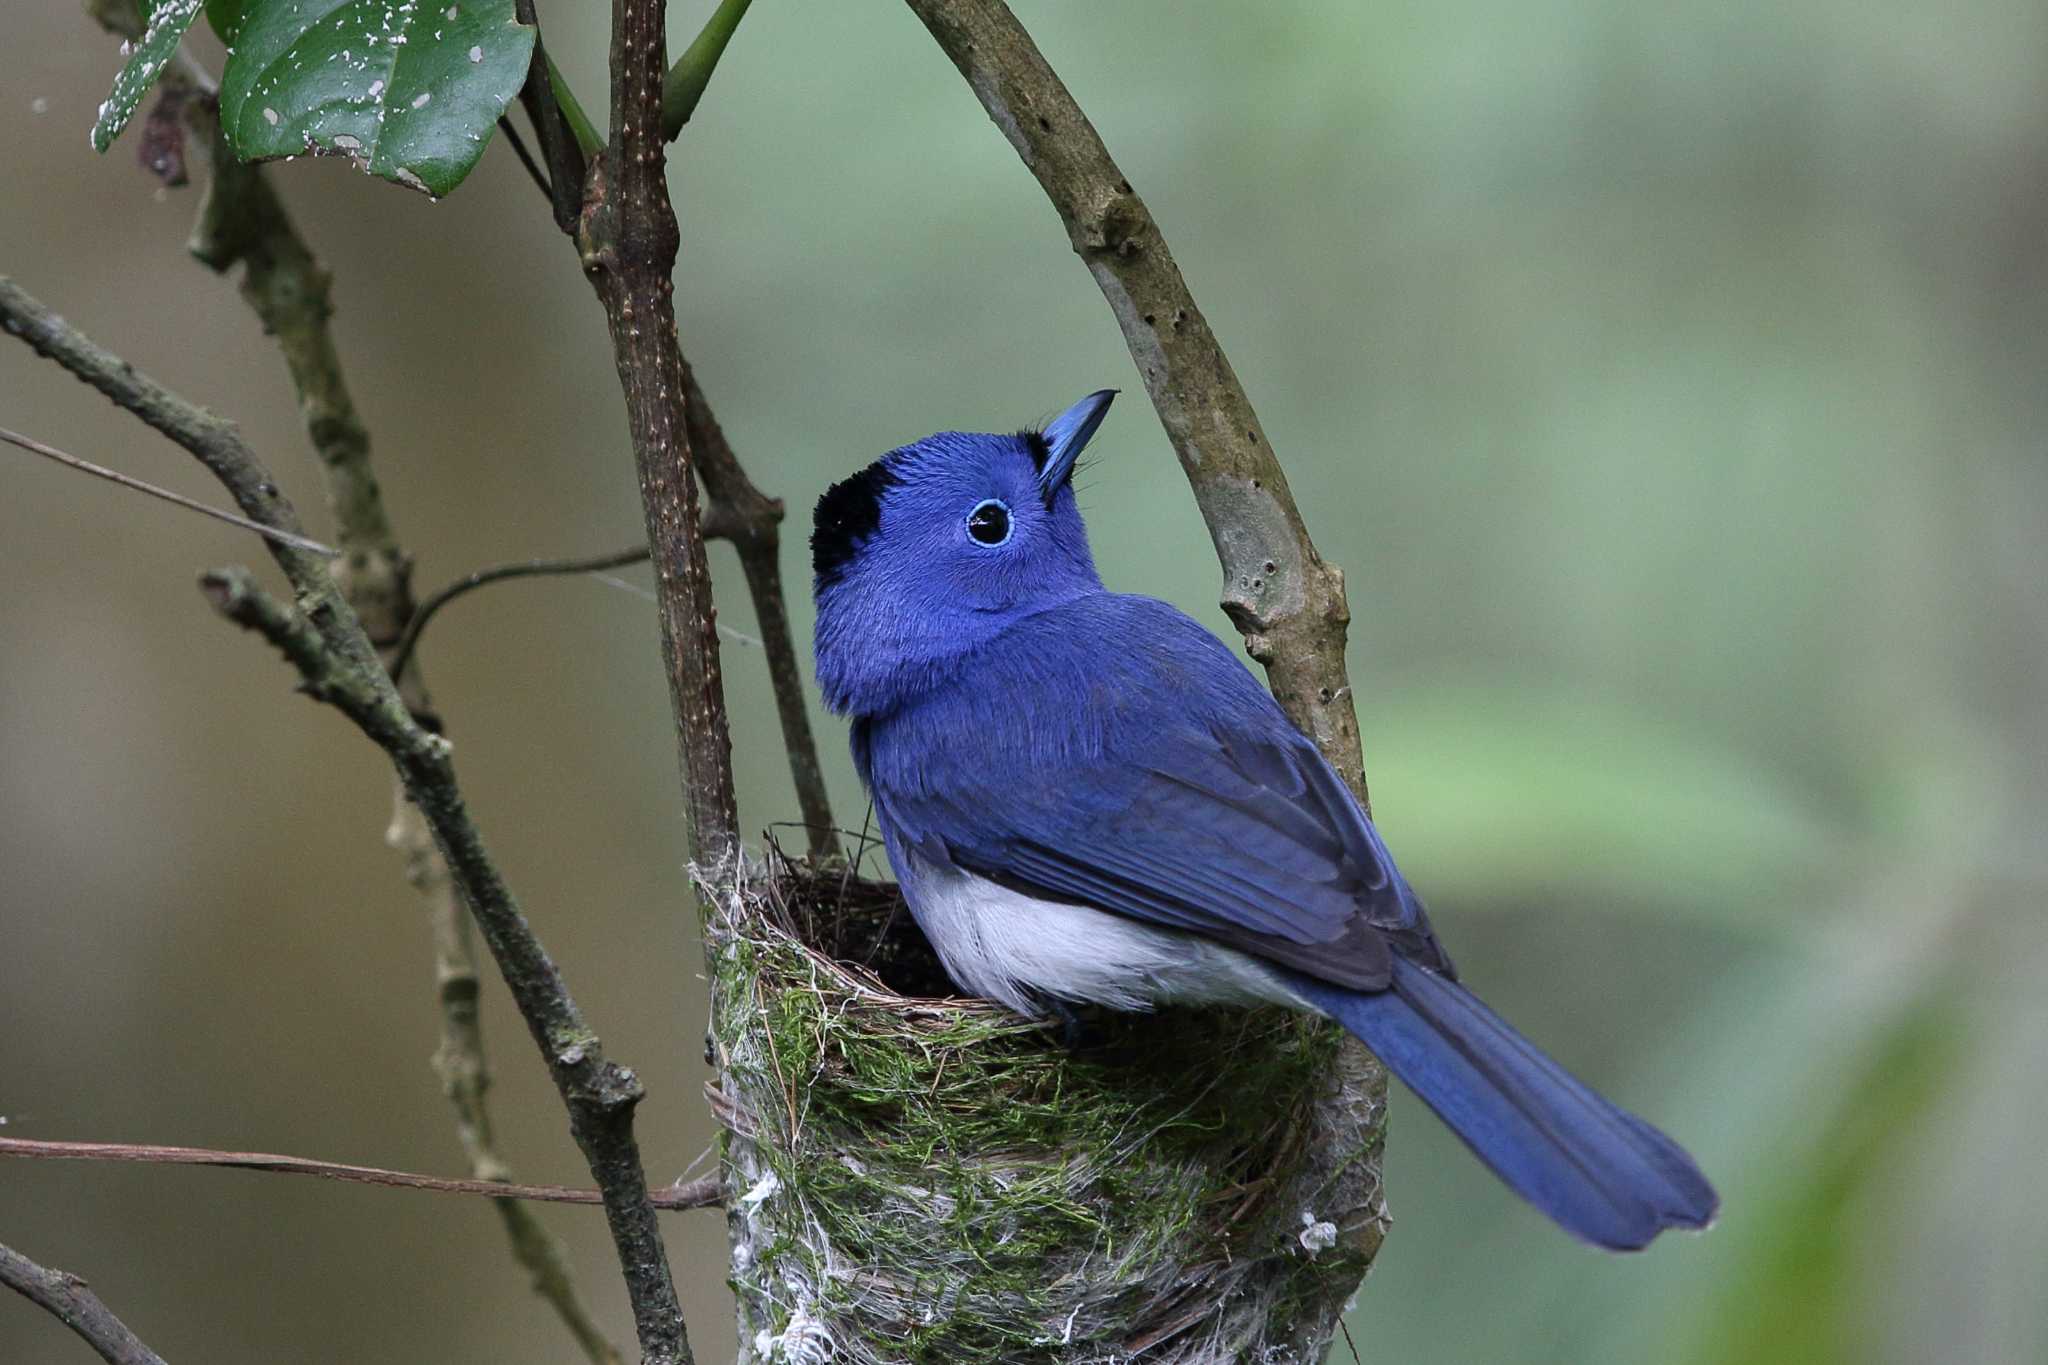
(628, 240)
(324, 640)
(68, 1299)
(734, 508)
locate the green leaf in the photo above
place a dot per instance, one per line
(1492, 795)
(226, 17)
(168, 20)
(407, 89)
(1798, 1292)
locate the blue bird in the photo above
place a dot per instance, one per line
(1088, 798)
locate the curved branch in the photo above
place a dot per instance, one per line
(1279, 592)
(68, 1299)
(498, 573)
(325, 640)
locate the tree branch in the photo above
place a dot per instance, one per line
(66, 1298)
(1279, 592)
(1288, 603)
(693, 1194)
(533, 170)
(736, 510)
(498, 573)
(243, 221)
(628, 239)
(685, 82)
(323, 637)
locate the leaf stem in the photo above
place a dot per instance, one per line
(580, 126)
(685, 82)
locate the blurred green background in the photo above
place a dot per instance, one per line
(1667, 379)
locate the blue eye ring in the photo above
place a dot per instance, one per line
(989, 523)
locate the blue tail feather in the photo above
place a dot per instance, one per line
(1598, 1171)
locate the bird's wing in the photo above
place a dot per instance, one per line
(1188, 801)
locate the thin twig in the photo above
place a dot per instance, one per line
(694, 1194)
(518, 144)
(498, 573)
(67, 1298)
(739, 512)
(325, 640)
(35, 447)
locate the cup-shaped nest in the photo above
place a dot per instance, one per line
(913, 1176)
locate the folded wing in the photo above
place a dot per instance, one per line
(1179, 796)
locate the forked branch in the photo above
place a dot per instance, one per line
(323, 638)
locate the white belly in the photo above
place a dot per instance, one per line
(1016, 949)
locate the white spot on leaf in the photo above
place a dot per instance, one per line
(476, 54)
(420, 101)
(270, 117)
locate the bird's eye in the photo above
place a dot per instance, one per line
(989, 522)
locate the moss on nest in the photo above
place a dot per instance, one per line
(920, 1178)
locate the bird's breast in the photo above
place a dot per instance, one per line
(1019, 950)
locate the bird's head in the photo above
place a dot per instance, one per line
(938, 546)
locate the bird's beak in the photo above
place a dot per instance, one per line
(1066, 435)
